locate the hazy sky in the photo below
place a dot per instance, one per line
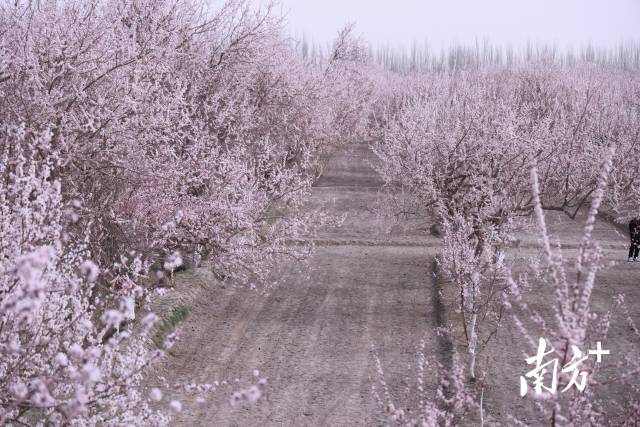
(399, 22)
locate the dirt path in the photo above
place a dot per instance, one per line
(312, 334)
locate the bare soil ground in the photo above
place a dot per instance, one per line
(311, 333)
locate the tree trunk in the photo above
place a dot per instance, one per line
(473, 338)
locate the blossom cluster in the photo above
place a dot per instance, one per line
(137, 137)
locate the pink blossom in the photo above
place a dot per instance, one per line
(112, 318)
(61, 359)
(89, 270)
(155, 394)
(176, 405)
(173, 261)
(19, 390)
(150, 320)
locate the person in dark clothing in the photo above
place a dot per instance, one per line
(634, 231)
